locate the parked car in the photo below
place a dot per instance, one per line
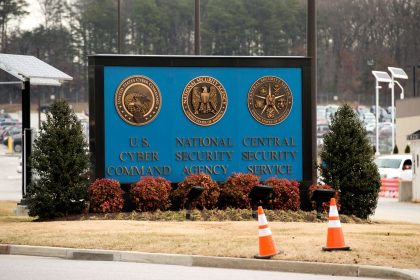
(361, 110)
(4, 115)
(7, 123)
(9, 131)
(370, 127)
(330, 112)
(321, 129)
(369, 121)
(395, 166)
(320, 113)
(385, 128)
(390, 109)
(384, 116)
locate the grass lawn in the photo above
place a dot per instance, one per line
(389, 244)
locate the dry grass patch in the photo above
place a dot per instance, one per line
(396, 245)
(6, 207)
(7, 212)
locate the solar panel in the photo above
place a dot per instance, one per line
(29, 67)
(398, 73)
(382, 76)
(44, 82)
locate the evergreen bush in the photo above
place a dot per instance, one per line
(151, 194)
(407, 149)
(235, 191)
(61, 161)
(347, 164)
(106, 196)
(395, 151)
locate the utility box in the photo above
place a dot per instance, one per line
(415, 150)
(405, 191)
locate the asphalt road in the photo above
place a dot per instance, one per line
(390, 209)
(34, 268)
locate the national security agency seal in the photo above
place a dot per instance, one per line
(270, 100)
(204, 100)
(138, 100)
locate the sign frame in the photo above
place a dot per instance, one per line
(97, 64)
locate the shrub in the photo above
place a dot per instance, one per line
(106, 196)
(407, 149)
(60, 159)
(395, 151)
(235, 191)
(347, 164)
(285, 194)
(151, 194)
(325, 205)
(209, 197)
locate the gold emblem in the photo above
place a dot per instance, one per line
(204, 100)
(270, 100)
(138, 100)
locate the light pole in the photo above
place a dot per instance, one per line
(311, 28)
(396, 73)
(383, 77)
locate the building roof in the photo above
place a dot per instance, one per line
(414, 136)
(27, 67)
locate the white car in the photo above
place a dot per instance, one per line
(395, 167)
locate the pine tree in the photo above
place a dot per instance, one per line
(60, 159)
(347, 164)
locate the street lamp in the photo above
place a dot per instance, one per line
(259, 195)
(396, 73)
(380, 77)
(194, 193)
(320, 196)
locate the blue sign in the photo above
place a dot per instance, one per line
(172, 146)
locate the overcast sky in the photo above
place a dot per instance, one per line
(33, 19)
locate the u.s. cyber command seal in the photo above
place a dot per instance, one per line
(270, 100)
(204, 100)
(138, 100)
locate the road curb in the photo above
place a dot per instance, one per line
(204, 261)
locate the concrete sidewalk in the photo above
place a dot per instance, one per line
(219, 262)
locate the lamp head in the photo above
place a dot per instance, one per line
(398, 73)
(382, 77)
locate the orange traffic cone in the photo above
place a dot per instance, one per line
(335, 237)
(267, 247)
